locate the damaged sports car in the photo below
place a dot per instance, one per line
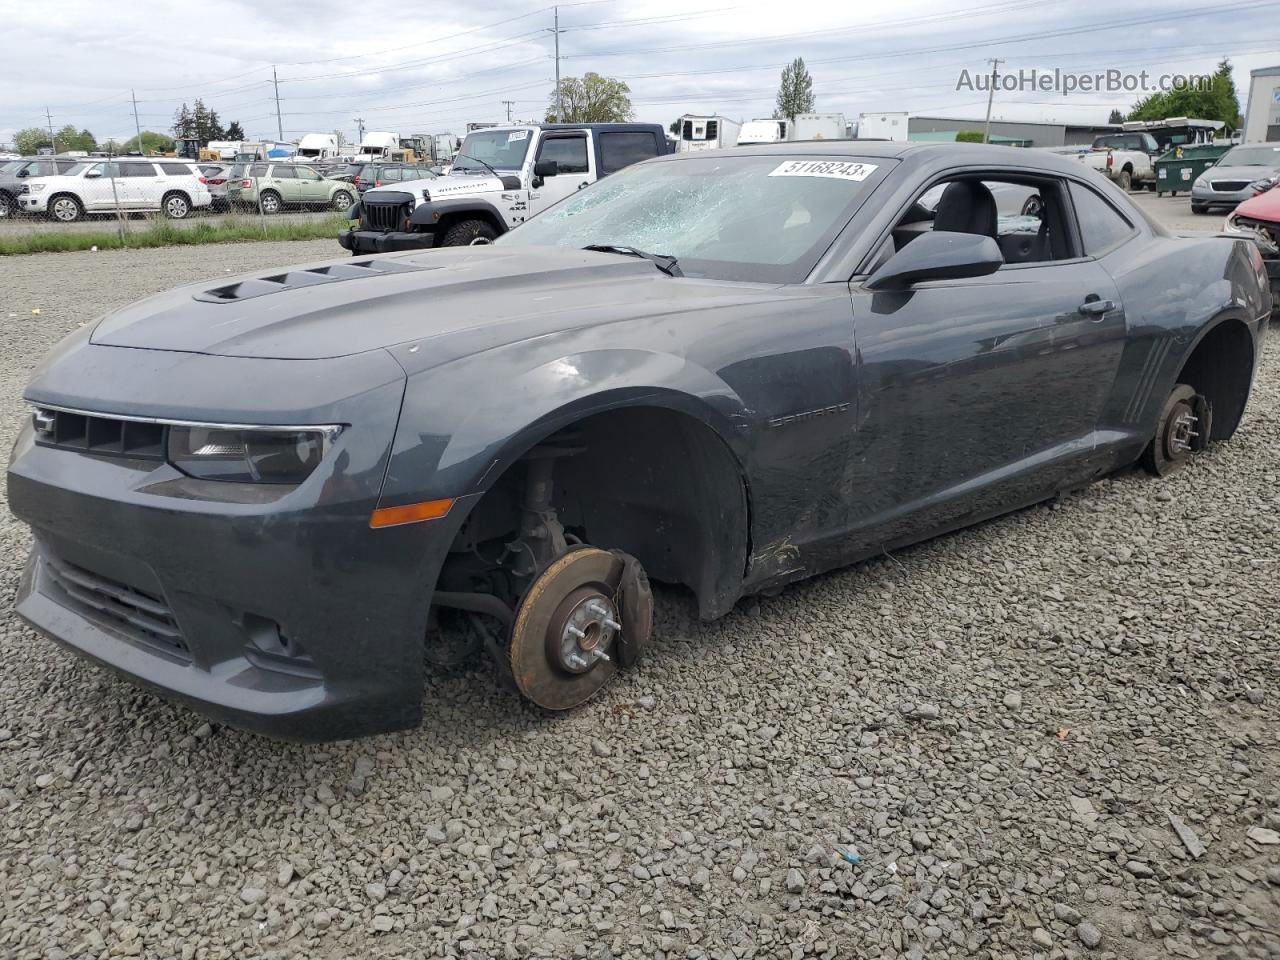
(276, 496)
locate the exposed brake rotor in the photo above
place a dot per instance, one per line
(569, 628)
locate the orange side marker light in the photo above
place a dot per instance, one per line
(412, 513)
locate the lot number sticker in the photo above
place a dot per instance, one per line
(515, 135)
(836, 169)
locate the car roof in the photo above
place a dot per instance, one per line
(923, 152)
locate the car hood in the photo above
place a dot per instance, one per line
(1249, 172)
(446, 186)
(455, 301)
(1265, 206)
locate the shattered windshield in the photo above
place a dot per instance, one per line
(500, 149)
(730, 218)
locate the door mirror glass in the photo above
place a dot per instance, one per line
(938, 255)
(546, 168)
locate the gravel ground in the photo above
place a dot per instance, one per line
(995, 726)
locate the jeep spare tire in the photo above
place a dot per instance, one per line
(464, 231)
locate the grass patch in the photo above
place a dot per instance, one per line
(165, 233)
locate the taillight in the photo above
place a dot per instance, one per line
(203, 180)
(1109, 159)
(356, 180)
(377, 183)
(218, 182)
(245, 184)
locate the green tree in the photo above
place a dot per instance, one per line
(233, 132)
(197, 122)
(795, 93)
(970, 136)
(1116, 117)
(591, 99)
(28, 141)
(1217, 102)
(68, 138)
(151, 143)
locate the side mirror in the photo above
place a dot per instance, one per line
(546, 168)
(938, 255)
(93, 173)
(24, 172)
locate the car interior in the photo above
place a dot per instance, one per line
(1027, 218)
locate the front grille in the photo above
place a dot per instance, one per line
(130, 611)
(384, 216)
(1228, 186)
(103, 435)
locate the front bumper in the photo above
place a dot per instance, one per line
(375, 241)
(276, 610)
(33, 202)
(1209, 197)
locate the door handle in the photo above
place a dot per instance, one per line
(584, 183)
(1095, 307)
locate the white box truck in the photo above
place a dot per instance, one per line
(820, 126)
(317, 147)
(707, 133)
(882, 126)
(377, 145)
(764, 131)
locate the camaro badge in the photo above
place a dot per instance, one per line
(808, 415)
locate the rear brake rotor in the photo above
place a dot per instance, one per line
(563, 641)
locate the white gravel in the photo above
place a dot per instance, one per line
(969, 750)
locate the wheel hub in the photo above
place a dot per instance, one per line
(588, 626)
(1181, 432)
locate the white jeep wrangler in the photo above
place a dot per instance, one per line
(500, 177)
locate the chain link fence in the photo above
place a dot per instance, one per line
(61, 203)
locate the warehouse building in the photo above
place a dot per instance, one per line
(1012, 132)
(1262, 107)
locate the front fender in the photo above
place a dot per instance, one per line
(428, 213)
(463, 423)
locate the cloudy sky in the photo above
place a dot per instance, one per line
(417, 67)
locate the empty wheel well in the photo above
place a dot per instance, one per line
(658, 484)
(1220, 368)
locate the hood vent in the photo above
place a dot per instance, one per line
(293, 279)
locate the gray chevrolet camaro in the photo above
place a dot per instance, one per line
(276, 496)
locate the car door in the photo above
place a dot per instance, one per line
(575, 158)
(103, 188)
(978, 394)
(285, 182)
(143, 185)
(311, 188)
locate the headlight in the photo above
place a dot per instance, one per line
(1264, 184)
(36, 187)
(249, 454)
(1201, 181)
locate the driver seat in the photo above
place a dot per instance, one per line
(967, 206)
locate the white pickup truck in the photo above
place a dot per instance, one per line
(1127, 158)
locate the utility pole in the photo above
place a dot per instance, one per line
(136, 125)
(509, 104)
(559, 100)
(279, 122)
(359, 122)
(991, 94)
(53, 144)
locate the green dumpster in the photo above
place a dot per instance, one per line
(1178, 168)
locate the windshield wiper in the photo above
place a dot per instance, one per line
(465, 156)
(663, 261)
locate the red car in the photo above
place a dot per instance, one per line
(1259, 219)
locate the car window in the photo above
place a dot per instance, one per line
(621, 149)
(111, 169)
(1029, 222)
(757, 218)
(65, 165)
(257, 170)
(282, 172)
(137, 170)
(1101, 225)
(45, 168)
(1252, 156)
(177, 169)
(569, 153)
(306, 173)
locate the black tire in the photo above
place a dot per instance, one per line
(65, 208)
(1172, 445)
(1199, 208)
(1033, 206)
(176, 205)
(342, 200)
(464, 231)
(270, 202)
(8, 208)
(1125, 181)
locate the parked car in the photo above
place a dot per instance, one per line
(500, 177)
(279, 186)
(1127, 158)
(215, 176)
(365, 175)
(129, 184)
(1258, 218)
(730, 371)
(1240, 173)
(14, 175)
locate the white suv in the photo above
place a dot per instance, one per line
(127, 184)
